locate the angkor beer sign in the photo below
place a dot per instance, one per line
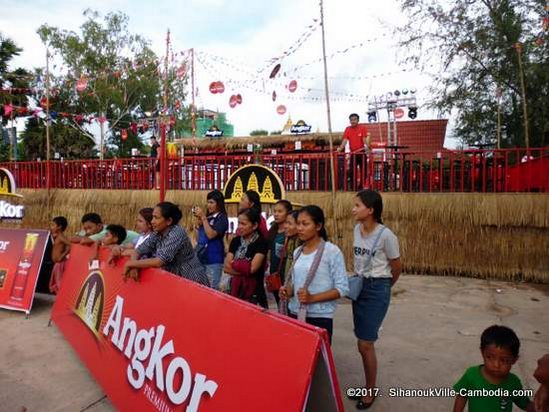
(254, 177)
(7, 188)
(154, 345)
(21, 254)
(300, 128)
(214, 132)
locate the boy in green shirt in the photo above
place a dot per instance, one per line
(491, 386)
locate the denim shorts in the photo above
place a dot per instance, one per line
(370, 308)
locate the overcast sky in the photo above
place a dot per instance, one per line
(247, 34)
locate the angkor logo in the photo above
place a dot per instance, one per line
(254, 177)
(90, 302)
(214, 131)
(7, 183)
(300, 128)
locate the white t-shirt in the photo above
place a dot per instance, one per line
(141, 239)
(386, 249)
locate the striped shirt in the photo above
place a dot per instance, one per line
(176, 252)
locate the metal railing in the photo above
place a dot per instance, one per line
(506, 170)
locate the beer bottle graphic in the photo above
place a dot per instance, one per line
(23, 267)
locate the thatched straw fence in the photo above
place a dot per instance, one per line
(495, 236)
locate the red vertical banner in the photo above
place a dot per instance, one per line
(21, 255)
(167, 344)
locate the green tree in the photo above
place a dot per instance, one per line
(121, 70)
(66, 141)
(259, 132)
(18, 78)
(472, 46)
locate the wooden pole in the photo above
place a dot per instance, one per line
(163, 125)
(193, 107)
(48, 118)
(518, 47)
(329, 117)
(498, 132)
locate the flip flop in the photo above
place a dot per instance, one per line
(363, 405)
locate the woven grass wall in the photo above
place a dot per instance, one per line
(496, 236)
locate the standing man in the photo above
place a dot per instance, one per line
(154, 155)
(359, 142)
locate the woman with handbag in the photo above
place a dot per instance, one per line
(212, 227)
(318, 275)
(277, 248)
(245, 260)
(377, 264)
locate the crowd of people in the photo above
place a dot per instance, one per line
(294, 261)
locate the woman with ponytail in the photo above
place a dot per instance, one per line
(318, 275)
(377, 260)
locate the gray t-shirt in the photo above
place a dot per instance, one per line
(386, 249)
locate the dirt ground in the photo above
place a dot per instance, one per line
(430, 336)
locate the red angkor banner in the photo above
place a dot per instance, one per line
(21, 255)
(167, 344)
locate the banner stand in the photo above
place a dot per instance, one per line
(21, 258)
(165, 343)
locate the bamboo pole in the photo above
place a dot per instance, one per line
(48, 149)
(193, 107)
(329, 117)
(518, 47)
(498, 133)
(163, 125)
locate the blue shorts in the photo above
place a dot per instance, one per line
(370, 308)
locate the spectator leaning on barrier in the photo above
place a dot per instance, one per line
(94, 230)
(169, 246)
(212, 227)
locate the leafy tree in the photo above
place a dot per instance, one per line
(66, 141)
(259, 132)
(18, 78)
(121, 71)
(472, 45)
(276, 132)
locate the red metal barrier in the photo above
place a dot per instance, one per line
(507, 170)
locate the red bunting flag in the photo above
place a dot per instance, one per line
(281, 109)
(181, 71)
(81, 84)
(124, 134)
(8, 108)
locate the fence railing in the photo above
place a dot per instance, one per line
(507, 170)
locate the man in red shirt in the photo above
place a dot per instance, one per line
(359, 141)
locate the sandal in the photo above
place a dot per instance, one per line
(363, 405)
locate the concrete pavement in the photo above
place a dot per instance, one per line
(430, 336)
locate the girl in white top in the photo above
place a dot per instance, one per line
(143, 227)
(377, 260)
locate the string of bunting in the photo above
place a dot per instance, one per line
(302, 39)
